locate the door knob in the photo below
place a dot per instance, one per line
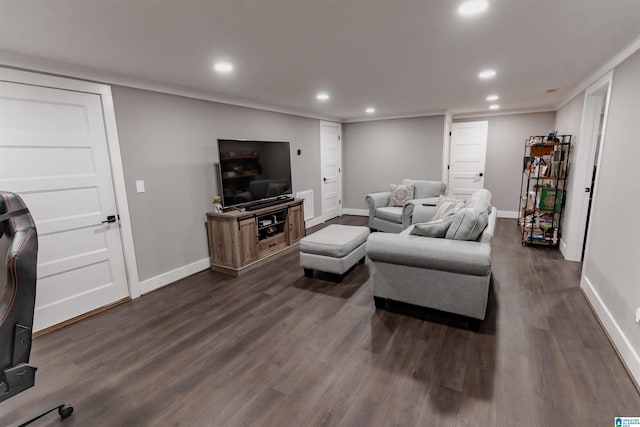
(110, 219)
(481, 174)
(324, 179)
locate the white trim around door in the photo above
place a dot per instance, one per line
(446, 146)
(113, 147)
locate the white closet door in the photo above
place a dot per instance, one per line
(53, 152)
(331, 159)
(468, 153)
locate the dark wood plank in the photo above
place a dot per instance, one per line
(274, 347)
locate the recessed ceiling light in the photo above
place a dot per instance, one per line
(487, 74)
(494, 107)
(370, 110)
(493, 98)
(322, 96)
(472, 7)
(223, 67)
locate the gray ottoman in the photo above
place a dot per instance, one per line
(334, 249)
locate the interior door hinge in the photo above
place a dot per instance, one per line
(339, 137)
(448, 167)
(449, 133)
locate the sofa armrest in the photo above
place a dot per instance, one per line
(429, 201)
(377, 200)
(422, 214)
(414, 206)
(473, 258)
(407, 214)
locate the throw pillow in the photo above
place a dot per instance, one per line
(437, 228)
(400, 194)
(447, 206)
(481, 199)
(468, 224)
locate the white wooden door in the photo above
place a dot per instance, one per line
(467, 158)
(53, 152)
(331, 159)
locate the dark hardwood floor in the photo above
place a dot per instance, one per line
(274, 348)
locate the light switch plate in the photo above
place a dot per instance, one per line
(140, 186)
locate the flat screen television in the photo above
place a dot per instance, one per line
(252, 171)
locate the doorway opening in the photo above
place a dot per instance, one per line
(598, 98)
(584, 186)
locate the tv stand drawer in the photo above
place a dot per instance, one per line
(272, 244)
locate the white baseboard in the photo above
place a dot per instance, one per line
(317, 221)
(313, 222)
(358, 212)
(626, 351)
(508, 214)
(169, 277)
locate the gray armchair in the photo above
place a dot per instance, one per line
(393, 219)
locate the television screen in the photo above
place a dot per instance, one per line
(253, 170)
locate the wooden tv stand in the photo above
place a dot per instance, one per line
(240, 239)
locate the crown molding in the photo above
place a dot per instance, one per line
(395, 116)
(504, 113)
(63, 69)
(51, 81)
(616, 60)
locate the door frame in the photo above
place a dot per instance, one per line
(339, 127)
(113, 148)
(572, 244)
(446, 147)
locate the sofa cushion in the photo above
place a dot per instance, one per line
(391, 214)
(436, 228)
(426, 189)
(468, 223)
(400, 194)
(447, 206)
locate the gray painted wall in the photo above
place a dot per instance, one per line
(383, 152)
(505, 148)
(569, 117)
(611, 262)
(170, 142)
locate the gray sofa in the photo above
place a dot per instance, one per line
(394, 219)
(439, 273)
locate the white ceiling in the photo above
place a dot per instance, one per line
(404, 57)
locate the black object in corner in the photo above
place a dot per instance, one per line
(19, 254)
